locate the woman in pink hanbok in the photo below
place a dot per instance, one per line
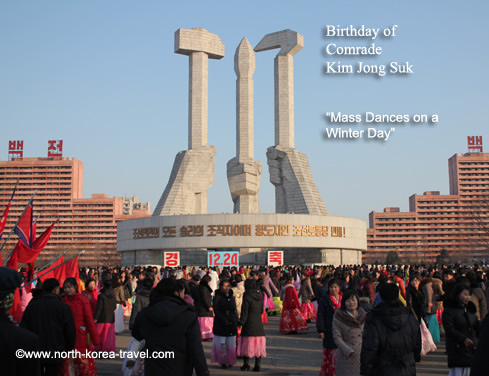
(306, 294)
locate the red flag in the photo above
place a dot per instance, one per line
(49, 272)
(71, 270)
(24, 254)
(24, 226)
(67, 270)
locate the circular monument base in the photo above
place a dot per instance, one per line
(305, 239)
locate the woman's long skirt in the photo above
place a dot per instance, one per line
(106, 332)
(79, 366)
(434, 328)
(328, 366)
(268, 303)
(128, 308)
(119, 319)
(223, 350)
(459, 371)
(252, 346)
(292, 321)
(308, 311)
(278, 305)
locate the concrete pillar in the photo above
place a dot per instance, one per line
(244, 66)
(193, 169)
(289, 43)
(295, 189)
(199, 45)
(243, 171)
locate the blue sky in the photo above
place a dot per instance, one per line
(103, 77)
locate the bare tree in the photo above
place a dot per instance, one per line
(474, 228)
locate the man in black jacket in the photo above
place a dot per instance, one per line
(391, 337)
(169, 324)
(12, 338)
(51, 319)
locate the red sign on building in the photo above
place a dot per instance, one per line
(474, 143)
(55, 148)
(275, 258)
(171, 259)
(15, 149)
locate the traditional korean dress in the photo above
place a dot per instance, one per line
(306, 294)
(82, 315)
(292, 319)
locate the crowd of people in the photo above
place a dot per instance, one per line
(377, 320)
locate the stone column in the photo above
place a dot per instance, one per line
(295, 189)
(193, 169)
(243, 171)
(289, 43)
(199, 45)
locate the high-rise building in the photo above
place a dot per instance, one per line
(457, 223)
(88, 224)
(132, 205)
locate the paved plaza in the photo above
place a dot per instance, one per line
(299, 354)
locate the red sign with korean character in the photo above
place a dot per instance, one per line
(15, 149)
(171, 259)
(275, 258)
(474, 143)
(55, 148)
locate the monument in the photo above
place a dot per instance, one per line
(302, 226)
(193, 169)
(295, 190)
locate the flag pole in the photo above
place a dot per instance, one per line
(56, 267)
(13, 228)
(51, 262)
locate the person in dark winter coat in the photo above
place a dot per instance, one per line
(203, 305)
(462, 328)
(52, 320)
(252, 342)
(170, 324)
(142, 300)
(225, 326)
(391, 337)
(306, 294)
(328, 304)
(274, 276)
(105, 317)
(367, 288)
(13, 338)
(478, 296)
(104, 312)
(193, 285)
(480, 364)
(126, 286)
(415, 299)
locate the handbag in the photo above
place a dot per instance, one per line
(428, 344)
